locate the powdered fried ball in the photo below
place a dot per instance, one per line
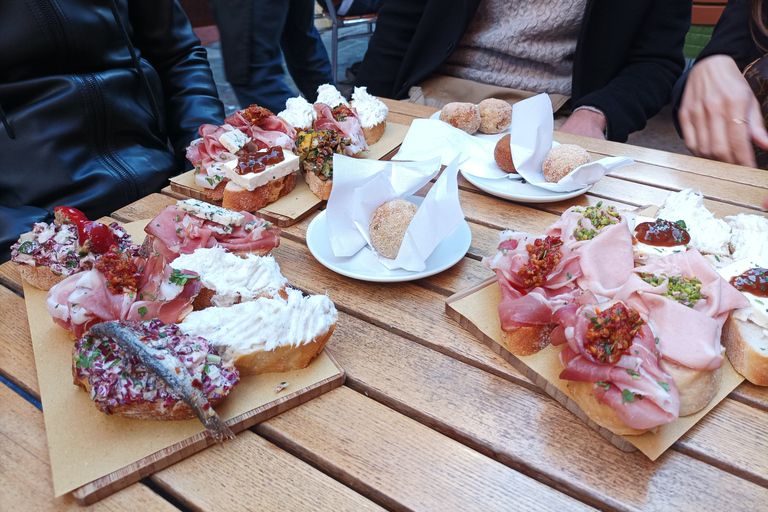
(503, 155)
(495, 115)
(562, 160)
(464, 116)
(388, 225)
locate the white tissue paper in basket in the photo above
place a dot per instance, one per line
(531, 139)
(361, 186)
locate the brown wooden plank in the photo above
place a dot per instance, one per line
(537, 436)
(25, 471)
(408, 109)
(659, 158)
(168, 191)
(10, 276)
(404, 308)
(250, 473)
(17, 361)
(401, 463)
(754, 396)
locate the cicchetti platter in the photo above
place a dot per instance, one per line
(629, 321)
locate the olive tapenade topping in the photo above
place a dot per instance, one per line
(543, 256)
(611, 333)
(599, 217)
(316, 149)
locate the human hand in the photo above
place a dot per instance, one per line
(585, 122)
(719, 115)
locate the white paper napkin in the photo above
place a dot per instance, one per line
(531, 140)
(361, 186)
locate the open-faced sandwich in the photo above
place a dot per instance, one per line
(151, 371)
(316, 149)
(334, 113)
(372, 113)
(51, 252)
(191, 224)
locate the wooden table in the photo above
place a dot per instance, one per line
(429, 418)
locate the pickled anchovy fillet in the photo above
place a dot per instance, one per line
(171, 371)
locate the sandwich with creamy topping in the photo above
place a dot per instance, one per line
(372, 113)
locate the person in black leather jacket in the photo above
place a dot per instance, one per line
(98, 101)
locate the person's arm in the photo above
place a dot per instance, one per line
(162, 33)
(642, 80)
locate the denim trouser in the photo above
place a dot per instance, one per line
(253, 33)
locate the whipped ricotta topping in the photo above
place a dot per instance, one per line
(331, 96)
(708, 234)
(370, 109)
(299, 113)
(749, 236)
(263, 324)
(232, 277)
(758, 310)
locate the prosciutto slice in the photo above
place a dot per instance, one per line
(83, 300)
(177, 232)
(520, 307)
(207, 154)
(350, 128)
(269, 131)
(636, 387)
(687, 336)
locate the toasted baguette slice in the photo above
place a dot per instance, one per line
(603, 415)
(374, 133)
(320, 188)
(40, 277)
(267, 335)
(239, 199)
(746, 345)
(228, 279)
(528, 340)
(696, 387)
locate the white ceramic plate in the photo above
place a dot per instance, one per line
(364, 265)
(514, 190)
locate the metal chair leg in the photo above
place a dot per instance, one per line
(335, 49)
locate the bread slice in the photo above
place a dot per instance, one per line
(374, 133)
(217, 193)
(40, 277)
(602, 414)
(228, 279)
(696, 387)
(238, 199)
(267, 335)
(746, 345)
(528, 340)
(320, 188)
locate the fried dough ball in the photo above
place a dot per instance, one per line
(464, 116)
(495, 115)
(562, 160)
(388, 225)
(503, 155)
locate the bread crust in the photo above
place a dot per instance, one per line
(216, 194)
(745, 358)
(204, 298)
(320, 188)
(239, 199)
(526, 341)
(284, 358)
(696, 387)
(374, 133)
(40, 277)
(600, 413)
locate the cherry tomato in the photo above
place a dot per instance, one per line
(72, 215)
(99, 237)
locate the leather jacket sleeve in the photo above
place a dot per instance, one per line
(164, 37)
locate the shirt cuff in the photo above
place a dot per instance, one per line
(596, 110)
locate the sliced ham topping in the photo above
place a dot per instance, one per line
(207, 154)
(350, 128)
(268, 131)
(636, 387)
(177, 232)
(83, 300)
(687, 336)
(606, 259)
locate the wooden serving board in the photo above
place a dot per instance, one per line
(94, 454)
(295, 206)
(476, 310)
